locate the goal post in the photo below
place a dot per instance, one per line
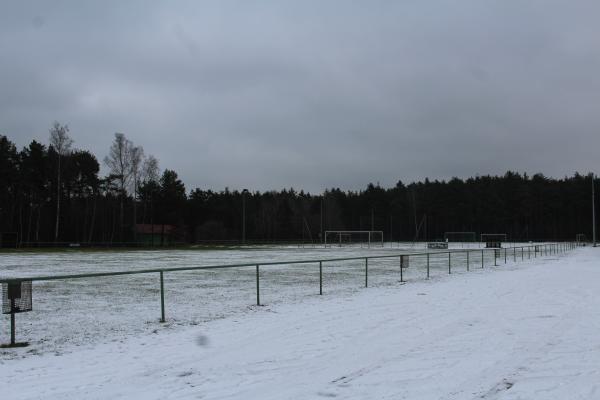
(460, 237)
(342, 238)
(493, 240)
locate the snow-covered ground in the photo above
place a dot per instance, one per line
(521, 330)
(78, 313)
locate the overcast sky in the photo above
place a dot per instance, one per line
(311, 94)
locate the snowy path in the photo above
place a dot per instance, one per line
(527, 331)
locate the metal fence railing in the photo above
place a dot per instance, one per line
(424, 263)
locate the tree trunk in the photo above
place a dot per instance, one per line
(29, 222)
(37, 223)
(93, 219)
(57, 202)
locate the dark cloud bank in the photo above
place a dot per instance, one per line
(266, 95)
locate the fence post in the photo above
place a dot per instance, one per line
(529, 252)
(257, 287)
(12, 324)
(427, 265)
(449, 263)
(514, 254)
(401, 272)
(321, 277)
(366, 272)
(505, 255)
(162, 298)
(522, 253)
(482, 258)
(467, 260)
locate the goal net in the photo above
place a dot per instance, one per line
(347, 238)
(460, 237)
(493, 240)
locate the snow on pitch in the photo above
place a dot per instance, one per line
(526, 330)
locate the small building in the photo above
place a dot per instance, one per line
(155, 234)
(9, 240)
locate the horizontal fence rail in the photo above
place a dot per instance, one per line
(472, 256)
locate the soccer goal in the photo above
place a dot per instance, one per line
(346, 238)
(460, 237)
(493, 240)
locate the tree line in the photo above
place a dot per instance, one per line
(54, 193)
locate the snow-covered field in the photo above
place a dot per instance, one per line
(520, 330)
(83, 312)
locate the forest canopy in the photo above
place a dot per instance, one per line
(54, 193)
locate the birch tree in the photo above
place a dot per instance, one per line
(61, 142)
(119, 163)
(136, 156)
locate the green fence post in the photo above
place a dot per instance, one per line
(481, 258)
(505, 255)
(467, 260)
(449, 263)
(321, 277)
(366, 272)
(12, 324)
(257, 287)
(401, 270)
(162, 298)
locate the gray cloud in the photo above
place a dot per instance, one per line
(267, 95)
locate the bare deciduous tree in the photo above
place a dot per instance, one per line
(136, 156)
(61, 142)
(150, 177)
(119, 163)
(150, 170)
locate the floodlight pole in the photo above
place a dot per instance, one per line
(321, 225)
(593, 213)
(244, 215)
